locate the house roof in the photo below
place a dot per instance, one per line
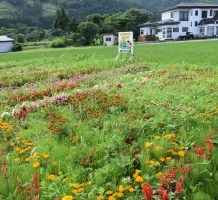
(208, 21)
(191, 5)
(5, 39)
(159, 23)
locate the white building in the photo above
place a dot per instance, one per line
(6, 44)
(110, 39)
(201, 19)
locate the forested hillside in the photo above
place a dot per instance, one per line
(41, 12)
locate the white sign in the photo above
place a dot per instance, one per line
(126, 42)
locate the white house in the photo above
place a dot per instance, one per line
(201, 19)
(6, 44)
(110, 39)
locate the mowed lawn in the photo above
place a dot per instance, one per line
(184, 54)
(75, 124)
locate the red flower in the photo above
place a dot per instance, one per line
(178, 187)
(148, 192)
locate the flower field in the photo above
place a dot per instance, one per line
(88, 127)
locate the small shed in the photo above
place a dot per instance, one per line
(6, 44)
(110, 39)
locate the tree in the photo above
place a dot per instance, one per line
(61, 20)
(88, 30)
(20, 38)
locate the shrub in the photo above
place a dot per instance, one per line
(58, 43)
(17, 47)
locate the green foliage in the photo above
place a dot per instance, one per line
(61, 20)
(88, 30)
(17, 47)
(58, 43)
(20, 38)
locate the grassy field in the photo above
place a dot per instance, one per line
(76, 124)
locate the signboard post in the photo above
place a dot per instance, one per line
(126, 44)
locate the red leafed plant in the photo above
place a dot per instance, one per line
(148, 192)
(30, 191)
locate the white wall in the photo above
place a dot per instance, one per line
(5, 47)
(113, 41)
(147, 31)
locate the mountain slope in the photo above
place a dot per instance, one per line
(41, 12)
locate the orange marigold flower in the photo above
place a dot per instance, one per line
(36, 164)
(168, 159)
(67, 198)
(51, 177)
(120, 195)
(181, 153)
(139, 179)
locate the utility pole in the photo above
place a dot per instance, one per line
(118, 6)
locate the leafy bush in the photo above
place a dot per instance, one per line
(58, 43)
(17, 47)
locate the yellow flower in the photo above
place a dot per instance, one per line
(109, 192)
(148, 144)
(139, 179)
(80, 190)
(111, 198)
(157, 137)
(65, 179)
(181, 153)
(60, 172)
(27, 159)
(51, 177)
(74, 191)
(158, 148)
(75, 185)
(158, 175)
(170, 136)
(36, 164)
(67, 198)
(17, 159)
(99, 197)
(17, 149)
(168, 159)
(131, 189)
(45, 156)
(120, 194)
(162, 159)
(121, 188)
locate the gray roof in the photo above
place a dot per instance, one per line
(208, 21)
(159, 23)
(5, 39)
(192, 5)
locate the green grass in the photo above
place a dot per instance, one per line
(188, 53)
(98, 120)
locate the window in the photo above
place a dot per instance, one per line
(217, 30)
(216, 14)
(185, 29)
(210, 31)
(196, 13)
(183, 16)
(172, 15)
(202, 31)
(196, 23)
(175, 30)
(191, 13)
(191, 23)
(211, 12)
(108, 39)
(169, 33)
(204, 14)
(164, 32)
(159, 30)
(142, 32)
